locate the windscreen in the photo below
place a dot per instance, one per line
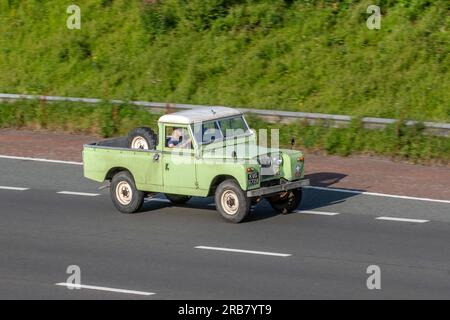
(210, 131)
(233, 127)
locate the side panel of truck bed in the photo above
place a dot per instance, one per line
(99, 161)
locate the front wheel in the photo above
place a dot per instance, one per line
(231, 201)
(124, 195)
(286, 202)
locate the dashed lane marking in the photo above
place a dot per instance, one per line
(83, 286)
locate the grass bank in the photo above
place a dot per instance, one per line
(299, 55)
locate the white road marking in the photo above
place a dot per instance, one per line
(322, 213)
(14, 188)
(402, 219)
(79, 193)
(245, 251)
(252, 209)
(83, 286)
(41, 160)
(376, 194)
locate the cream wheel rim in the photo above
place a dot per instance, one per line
(124, 193)
(139, 143)
(230, 202)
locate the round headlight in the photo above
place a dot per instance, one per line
(264, 161)
(277, 160)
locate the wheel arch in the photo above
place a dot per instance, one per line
(113, 171)
(218, 180)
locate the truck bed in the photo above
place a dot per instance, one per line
(120, 142)
(100, 157)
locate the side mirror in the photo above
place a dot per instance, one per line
(213, 138)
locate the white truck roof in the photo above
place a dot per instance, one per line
(199, 115)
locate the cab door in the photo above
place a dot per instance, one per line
(178, 165)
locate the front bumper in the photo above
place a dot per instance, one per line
(277, 188)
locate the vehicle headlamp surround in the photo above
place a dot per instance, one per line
(277, 159)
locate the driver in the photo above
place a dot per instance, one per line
(177, 139)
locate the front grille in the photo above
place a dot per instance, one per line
(270, 183)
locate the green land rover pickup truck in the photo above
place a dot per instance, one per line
(198, 153)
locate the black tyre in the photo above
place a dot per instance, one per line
(177, 199)
(286, 202)
(142, 138)
(124, 195)
(231, 201)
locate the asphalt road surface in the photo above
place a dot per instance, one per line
(188, 252)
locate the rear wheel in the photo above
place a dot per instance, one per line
(231, 201)
(286, 202)
(124, 195)
(177, 199)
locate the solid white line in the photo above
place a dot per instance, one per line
(13, 188)
(245, 251)
(82, 286)
(402, 219)
(41, 160)
(79, 193)
(322, 213)
(376, 194)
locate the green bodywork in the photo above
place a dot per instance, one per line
(193, 172)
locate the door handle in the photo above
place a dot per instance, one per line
(167, 166)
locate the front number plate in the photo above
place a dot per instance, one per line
(253, 178)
